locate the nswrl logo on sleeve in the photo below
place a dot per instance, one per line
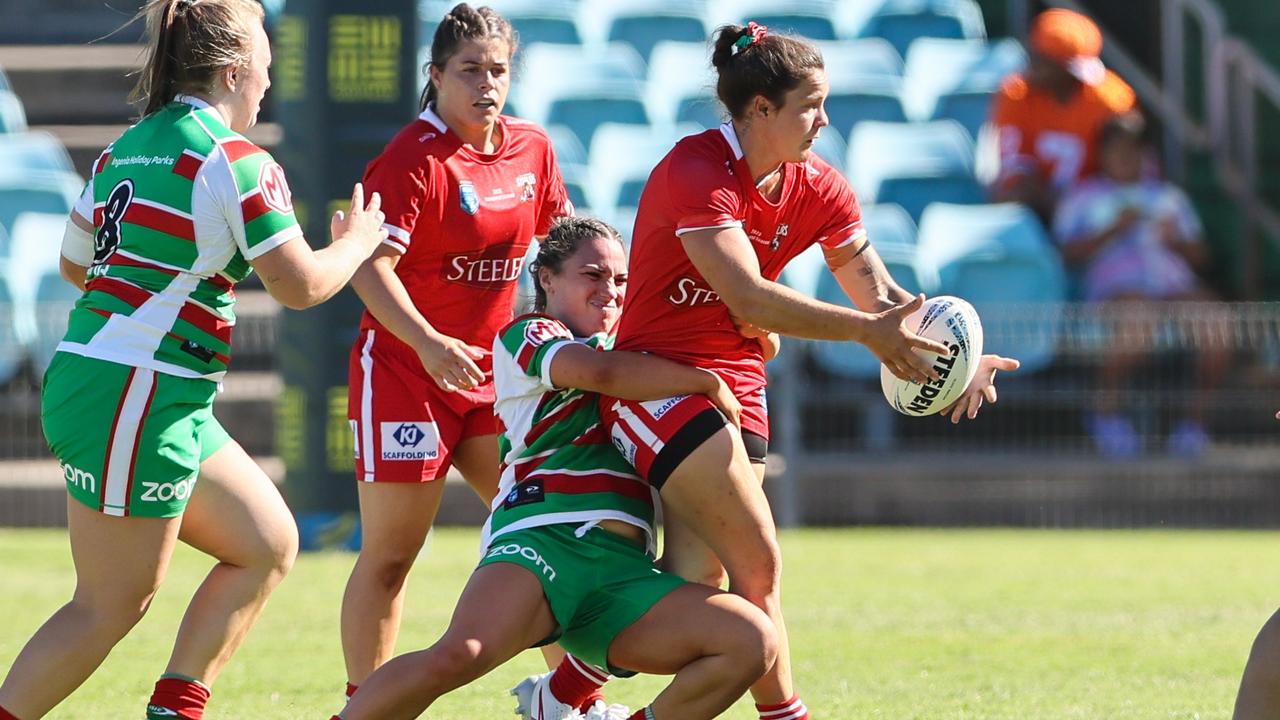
(410, 441)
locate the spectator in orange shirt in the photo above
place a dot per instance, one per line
(1048, 117)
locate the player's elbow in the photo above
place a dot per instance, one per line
(748, 303)
(602, 377)
(72, 273)
(296, 293)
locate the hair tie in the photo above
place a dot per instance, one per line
(753, 34)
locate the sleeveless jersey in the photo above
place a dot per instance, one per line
(704, 183)
(558, 463)
(464, 220)
(180, 204)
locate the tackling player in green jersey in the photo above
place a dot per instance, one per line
(568, 547)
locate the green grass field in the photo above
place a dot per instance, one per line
(884, 624)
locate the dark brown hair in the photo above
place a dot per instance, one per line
(461, 23)
(1130, 126)
(563, 240)
(188, 43)
(771, 66)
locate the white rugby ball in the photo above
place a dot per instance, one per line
(954, 323)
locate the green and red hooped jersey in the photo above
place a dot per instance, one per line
(558, 462)
(180, 204)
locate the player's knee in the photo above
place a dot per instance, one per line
(114, 613)
(389, 564)
(460, 659)
(753, 644)
(274, 551)
(284, 549)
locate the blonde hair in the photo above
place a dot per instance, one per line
(188, 43)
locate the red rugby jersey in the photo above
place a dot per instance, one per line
(464, 219)
(704, 183)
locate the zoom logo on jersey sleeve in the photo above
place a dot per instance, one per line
(410, 441)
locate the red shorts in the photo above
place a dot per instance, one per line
(643, 430)
(405, 426)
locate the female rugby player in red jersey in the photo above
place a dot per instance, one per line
(719, 218)
(466, 190)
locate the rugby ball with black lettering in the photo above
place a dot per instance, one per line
(954, 323)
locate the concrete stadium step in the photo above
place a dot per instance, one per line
(81, 84)
(1229, 486)
(79, 93)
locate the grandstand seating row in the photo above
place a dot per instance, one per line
(643, 22)
(584, 87)
(910, 164)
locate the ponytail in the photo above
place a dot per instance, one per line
(751, 61)
(189, 42)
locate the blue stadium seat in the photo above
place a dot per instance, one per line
(701, 110)
(830, 146)
(622, 156)
(13, 119)
(558, 72)
(546, 27)
(815, 26)
(55, 298)
(536, 21)
(879, 151)
(999, 258)
(645, 24)
(915, 193)
(801, 274)
(877, 100)
(936, 67)
(35, 241)
(969, 108)
(569, 149)
(4, 81)
(12, 351)
(901, 22)
(623, 219)
(34, 151)
(576, 182)
(865, 57)
(810, 18)
(678, 71)
(586, 112)
(888, 224)
(41, 192)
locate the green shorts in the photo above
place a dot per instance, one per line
(597, 585)
(130, 440)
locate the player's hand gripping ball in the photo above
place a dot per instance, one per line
(954, 323)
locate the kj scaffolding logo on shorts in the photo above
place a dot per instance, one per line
(410, 441)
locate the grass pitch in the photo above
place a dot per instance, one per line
(894, 624)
